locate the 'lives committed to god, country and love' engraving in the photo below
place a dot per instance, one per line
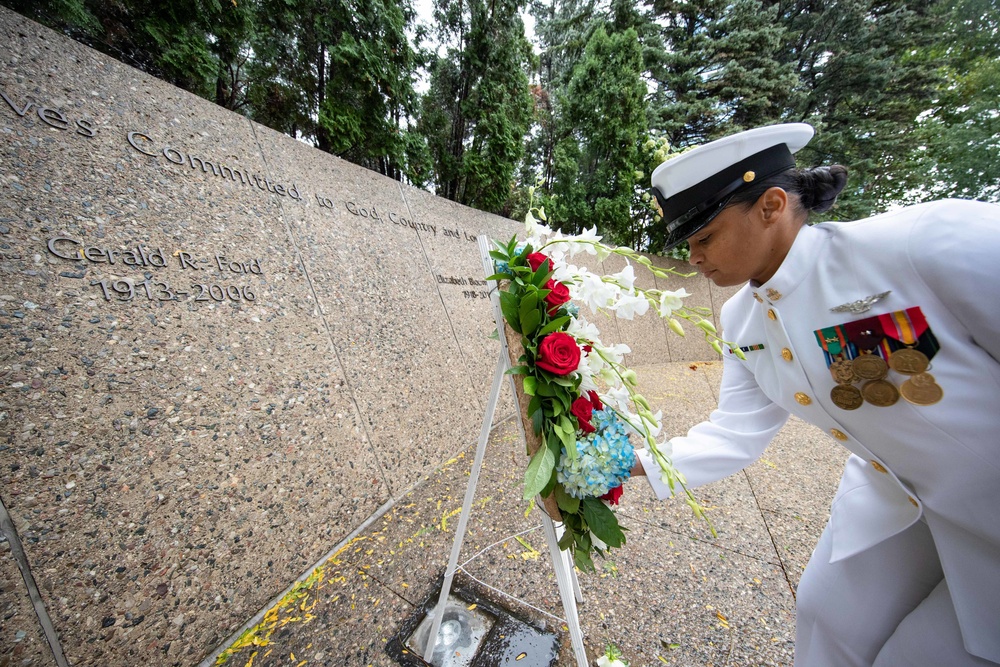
(145, 143)
(128, 289)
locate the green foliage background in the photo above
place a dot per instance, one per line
(905, 93)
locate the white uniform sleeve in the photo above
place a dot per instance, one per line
(734, 436)
(955, 247)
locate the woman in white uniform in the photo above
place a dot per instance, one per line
(885, 333)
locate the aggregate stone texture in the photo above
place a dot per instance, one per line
(21, 636)
(454, 261)
(388, 314)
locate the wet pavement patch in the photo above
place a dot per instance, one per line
(475, 632)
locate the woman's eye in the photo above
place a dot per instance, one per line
(703, 240)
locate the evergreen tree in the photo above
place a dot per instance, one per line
(957, 147)
(720, 71)
(339, 75)
(863, 89)
(477, 109)
(602, 120)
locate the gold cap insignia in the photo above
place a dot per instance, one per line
(749, 176)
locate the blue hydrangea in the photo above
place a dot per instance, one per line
(604, 458)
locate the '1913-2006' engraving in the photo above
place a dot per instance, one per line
(126, 290)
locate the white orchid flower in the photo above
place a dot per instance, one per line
(596, 293)
(586, 235)
(618, 398)
(666, 447)
(671, 301)
(535, 230)
(625, 277)
(565, 273)
(614, 354)
(631, 304)
(582, 329)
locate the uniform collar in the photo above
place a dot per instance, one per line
(799, 262)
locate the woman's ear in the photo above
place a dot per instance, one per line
(772, 204)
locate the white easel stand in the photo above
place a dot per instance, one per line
(569, 585)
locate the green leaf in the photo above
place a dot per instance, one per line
(530, 321)
(583, 560)
(499, 256)
(555, 446)
(534, 405)
(509, 306)
(529, 302)
(529, 385)
(569, 442)
(603, 523)
(567, 503)
(554, 325)
(538, 473)
(538, 420)
(517, 370)
(540, 278)
(566, 541)
(497, 277)
(564, 381)
(550, 487)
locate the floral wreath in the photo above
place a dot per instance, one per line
(578, 400)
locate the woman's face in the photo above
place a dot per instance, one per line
(740, 245)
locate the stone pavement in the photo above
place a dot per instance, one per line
(673, 595)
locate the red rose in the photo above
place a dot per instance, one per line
(557, 296)
(582, 409)
(595, 400)
(536, 259)
(558, 353)
(613, 495)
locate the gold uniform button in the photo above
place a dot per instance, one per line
(803, 399)
(912, 501)
(786, 354)
(881, 468)
(838, 434)
(771, 314)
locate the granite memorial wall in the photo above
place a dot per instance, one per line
(221, 351)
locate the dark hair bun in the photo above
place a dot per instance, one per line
(820, 187)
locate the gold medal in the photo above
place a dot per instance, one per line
(870, 367)
(908, 361)
(842, 371)
(846, 397)
(922, 389)
(880, 393)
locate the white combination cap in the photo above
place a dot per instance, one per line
(692, 188)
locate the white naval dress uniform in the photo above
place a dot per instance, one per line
(931, 468)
